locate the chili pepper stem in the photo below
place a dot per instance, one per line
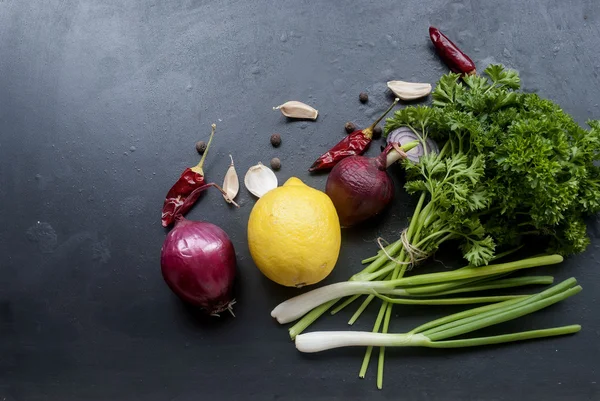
(224, 194)
(368, 132)
(198, 168)
(197, 191)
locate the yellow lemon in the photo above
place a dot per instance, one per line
(294, 234)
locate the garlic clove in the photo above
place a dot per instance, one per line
(260, 179)
(409, 90)
(295, 109)
(231, 183)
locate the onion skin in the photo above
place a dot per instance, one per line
(359, 188)
(198, 264)
(404, 135)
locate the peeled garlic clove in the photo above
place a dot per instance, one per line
(260, 179)
(231, 183)
(295, 109)
(409, 90)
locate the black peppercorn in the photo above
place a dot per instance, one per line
(350, 127)
(275, 163)
(363, 97)
(275, 140)
(377, 131)
(201, 147)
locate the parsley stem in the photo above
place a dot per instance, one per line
(506, 253)
(532, 232)
(445, 149)
(394, 248)
(379, 253)
(365, 276)
(381, 260)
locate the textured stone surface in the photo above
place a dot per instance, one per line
(101, 103)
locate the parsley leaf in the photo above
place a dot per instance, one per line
(503, 77)
(511, 165)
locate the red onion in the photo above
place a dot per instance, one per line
(198, 263)
(360, 186)
(404, 135)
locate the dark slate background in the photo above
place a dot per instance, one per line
(101, 103)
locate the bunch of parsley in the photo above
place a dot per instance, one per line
(511, 165)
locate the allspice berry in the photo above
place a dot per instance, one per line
(350, 127)
(201, 147)
(275, 163)
(275, 140)
(377, 131)
(363, 97)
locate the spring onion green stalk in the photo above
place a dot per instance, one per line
(494, 285)
(447, 301)
(345, 303)
(431, 334)
(309, 319)
(298, 306)
(461, 315)
(437, 289)
(508, 312)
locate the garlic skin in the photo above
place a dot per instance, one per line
(295, 109)
(260, 179)
(231, 183)
(409, 90)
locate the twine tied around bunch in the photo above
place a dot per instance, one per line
(415, 254)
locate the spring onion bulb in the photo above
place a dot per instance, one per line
(296, 307)
(320, 341)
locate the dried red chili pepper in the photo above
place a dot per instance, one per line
(354, 144)
(458, 61)
(185, 192)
